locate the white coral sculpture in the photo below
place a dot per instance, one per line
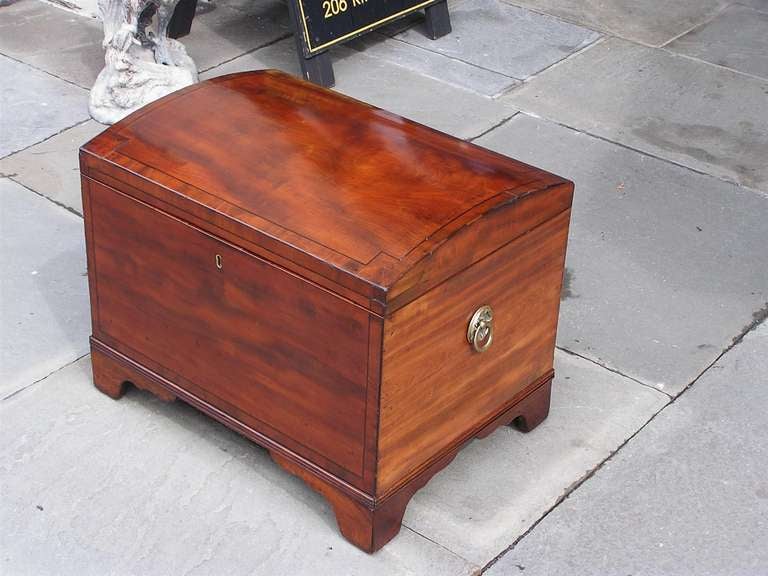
(141, 65)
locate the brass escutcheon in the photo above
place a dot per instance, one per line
(480, 330)
(219, 263)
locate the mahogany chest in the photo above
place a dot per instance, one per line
(357, 293)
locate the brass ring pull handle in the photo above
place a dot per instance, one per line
(480, 330)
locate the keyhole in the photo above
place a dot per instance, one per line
(218, 261)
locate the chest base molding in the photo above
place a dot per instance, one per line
(368, 522)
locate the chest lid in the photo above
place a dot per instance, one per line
(351, 196)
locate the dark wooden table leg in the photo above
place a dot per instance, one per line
(181, 21)
(438, 20)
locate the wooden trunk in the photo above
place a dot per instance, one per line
(305, 269)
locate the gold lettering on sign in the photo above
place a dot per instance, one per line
(334, 7)
(331, 8)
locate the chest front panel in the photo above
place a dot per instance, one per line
(282, 354)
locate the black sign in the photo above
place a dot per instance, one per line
(327, 22)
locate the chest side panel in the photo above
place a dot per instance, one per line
(283, 355)
(435, 388)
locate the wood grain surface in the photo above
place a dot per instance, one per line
(303, 267)
(304, 171)
(287, 353)
(435, 387)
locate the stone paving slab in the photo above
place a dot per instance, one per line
(498, 487)
(51, 168)
(55, 40)
(651, 22)
(44, 313)
(504, 39)
(757, 4)
(73, 50)
(280, 56)
(35, 105)
(414, 19)
(386, 85)
(93, 486)
(708, 118)
(226, 33)
(664, 267)
(276, 11)
(737, 38)
(434, 65)
(687, 495)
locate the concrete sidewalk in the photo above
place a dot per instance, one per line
(653, 458)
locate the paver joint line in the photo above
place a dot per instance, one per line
(572, 488)
(637, 150)
(78, 123)
(424, 534)
(444, 547)
(56, 202)
(44, 71)
(758, 317)
(763, 315)
(603, 32)
(596, 42)
(31, 384)
(259, 47)
(492, 128)
(614, 370)
(712, 64)
(717, 14)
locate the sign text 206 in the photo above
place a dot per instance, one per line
(334, 7)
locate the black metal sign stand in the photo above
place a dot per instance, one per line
(316, 63)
